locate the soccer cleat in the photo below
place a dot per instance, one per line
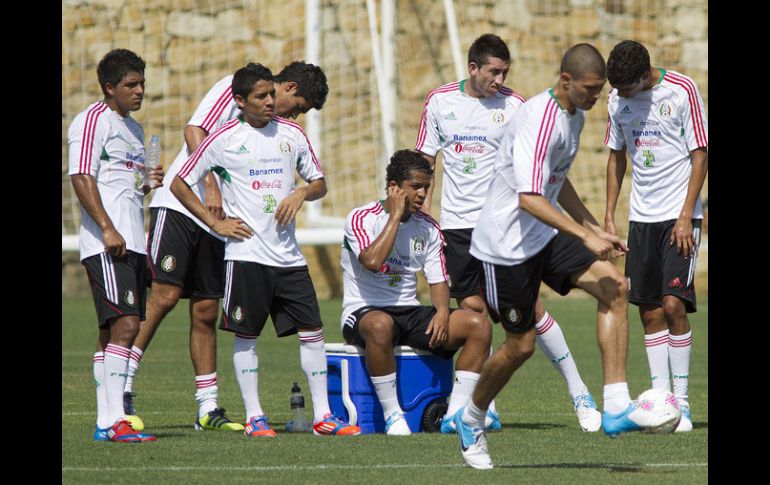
(130, 412)
(473, 443)
(396, 425)
(100, 434)
(634, 418)
(491, 423)
(332, 425)
(589, 417)
(122, 432)
(257, 426)
(685, 424)
(216, 419)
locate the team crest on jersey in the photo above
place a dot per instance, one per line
(418, 245)
(168, 264)
(514, 316)
(237, 314)
(284, 146)
(665, 110)
(129, 298)
(498, 117)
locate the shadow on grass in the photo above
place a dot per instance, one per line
(619, 468)
(536, 426)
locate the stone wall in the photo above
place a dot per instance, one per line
(190, 44)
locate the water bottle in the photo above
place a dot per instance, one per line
(297, 423)
(151, 160)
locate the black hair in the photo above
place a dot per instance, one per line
(115, 65)
(310, 79)
(581, 59)
(628, 61)
(404, 161)
(246, 77)
(486, 46)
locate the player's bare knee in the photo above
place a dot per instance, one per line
(204, 313)
(165, 297)
(674, 308)
(377, 330)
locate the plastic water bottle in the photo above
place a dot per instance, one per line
(151, 160)
(297, 423)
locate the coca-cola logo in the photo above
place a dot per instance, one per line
(647, 142)
(266, 184)
(469, 148)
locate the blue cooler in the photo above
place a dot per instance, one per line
(424, 383)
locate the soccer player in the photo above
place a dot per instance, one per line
(256, 155)
(657, 116)
(523, 239)
(466, 121)
(186, 258)
(106, 167)
(386, 243)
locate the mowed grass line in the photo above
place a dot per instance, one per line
(541, 441)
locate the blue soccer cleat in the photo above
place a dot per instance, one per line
(634, 418)
(122, 432)
(491, 423)
(473, 443)
(685, 423)
(100, 434)
(332, 425)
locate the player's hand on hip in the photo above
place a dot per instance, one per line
(114, 244)
(232, 227)
(214, 201)
(682, 235)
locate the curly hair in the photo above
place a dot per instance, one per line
(246, 77)
(627, 62)
(310, 79)
(404, 161)
(116, 64)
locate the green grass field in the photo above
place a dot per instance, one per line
(541, 441)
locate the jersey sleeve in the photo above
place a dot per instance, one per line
(694, 117)
(87, 136)
(204, 157)
(359, 228)
(213, 105)
(531, 147)
(435, 263)
(428, 138)
(613, 137)
(308, 166)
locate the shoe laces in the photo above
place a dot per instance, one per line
(120, 426)
(584, 401)
(260, 423)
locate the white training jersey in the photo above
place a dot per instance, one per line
(659, 127)
(257, 168)
(468, 131)
(110, 147)
(217, 108)
(419, 246)
(538, 148)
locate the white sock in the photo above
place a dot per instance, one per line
(246, 365)
(551, 340)
(385, 386)
(465, 383)
(492, 406)
(312, 357)
(206, 393)
(616, 397)
(657, 356)
(101, 392)
(115, 371)
(133, 367)
(679, 348)
(473, 415)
